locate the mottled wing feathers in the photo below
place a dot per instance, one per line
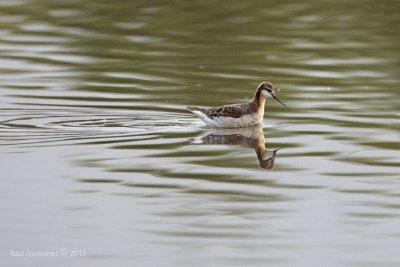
(234, 139)
(234, 111)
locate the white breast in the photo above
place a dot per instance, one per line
(230, 122)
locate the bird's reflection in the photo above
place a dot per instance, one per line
(250, 137)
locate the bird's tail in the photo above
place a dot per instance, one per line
(193, 109)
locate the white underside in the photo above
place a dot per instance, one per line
(229, 122)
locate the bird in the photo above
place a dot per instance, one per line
(238, 115)
(249, 137)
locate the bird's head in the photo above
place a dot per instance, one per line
(266, 158)
(266, 89)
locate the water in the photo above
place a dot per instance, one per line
(99, 155)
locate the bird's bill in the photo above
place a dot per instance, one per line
(278, 100)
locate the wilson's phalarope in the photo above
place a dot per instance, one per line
(250, 137)
(238, 115)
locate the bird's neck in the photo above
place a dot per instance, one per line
(259, 104)
(259, 144)
(261, 152)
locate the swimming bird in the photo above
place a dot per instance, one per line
(249, 137)
(238, 115)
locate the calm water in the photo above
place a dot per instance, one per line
(99, 155)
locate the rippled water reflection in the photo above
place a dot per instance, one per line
(98, 152)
